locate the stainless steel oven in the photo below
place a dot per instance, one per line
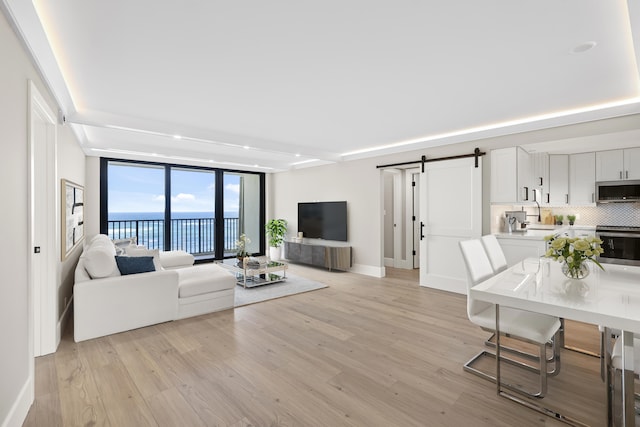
(621, 244)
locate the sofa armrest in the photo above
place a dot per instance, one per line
(117, 304)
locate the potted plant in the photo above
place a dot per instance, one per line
(559, 219)
(276, 229)
(572, 219)
(241, 247)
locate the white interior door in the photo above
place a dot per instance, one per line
(415, 217)
(450, 211)
(43, 248)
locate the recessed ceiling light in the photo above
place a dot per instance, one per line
(297, 154)
(583, 47)
(177, 137)
(246, 147)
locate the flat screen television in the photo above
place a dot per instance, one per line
(323, 220)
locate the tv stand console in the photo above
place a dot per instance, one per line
(331, 257)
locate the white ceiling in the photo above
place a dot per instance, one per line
(252, 84)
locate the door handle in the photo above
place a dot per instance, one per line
(626, 174)
(421, 230)
(566, 196)
(548, 198)
(526, 193)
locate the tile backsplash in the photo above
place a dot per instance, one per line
(627, 214)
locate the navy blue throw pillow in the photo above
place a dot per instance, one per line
(135, 264)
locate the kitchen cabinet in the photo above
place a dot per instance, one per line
(510, 176)
(540, 177)
(582, 179)
(615, 165)
(558, 180)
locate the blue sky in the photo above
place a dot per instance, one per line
(141, 189)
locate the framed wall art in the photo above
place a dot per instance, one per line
(72, 231)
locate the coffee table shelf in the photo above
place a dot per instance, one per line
(251, 276)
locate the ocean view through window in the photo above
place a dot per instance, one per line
(170, 207)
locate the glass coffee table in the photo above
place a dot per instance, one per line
(256, 273)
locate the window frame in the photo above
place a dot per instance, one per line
(218, 202)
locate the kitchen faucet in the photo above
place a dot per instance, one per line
(535, 199)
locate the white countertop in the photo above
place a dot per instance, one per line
(538, 231)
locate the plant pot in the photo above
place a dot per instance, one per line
(275, 253)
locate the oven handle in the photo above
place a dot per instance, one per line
(605, 234)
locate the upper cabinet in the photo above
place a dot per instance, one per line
(540, 177)
(582, 179)
(615, 165)
(558, 180)
(510, 176)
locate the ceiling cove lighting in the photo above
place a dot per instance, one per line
(508, 123)
(305, 161)
(170, 157)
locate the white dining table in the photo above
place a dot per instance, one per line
(610, 298)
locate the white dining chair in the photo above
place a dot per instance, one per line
(523, 325)
(495, 253)
(615, 370)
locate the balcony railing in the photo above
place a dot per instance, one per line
(193, 235)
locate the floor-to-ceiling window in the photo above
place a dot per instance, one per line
(193, 211)
(200, 210)
(242, 205)
(136, 203)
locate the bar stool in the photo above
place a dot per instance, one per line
(615, 367)
(526, 326)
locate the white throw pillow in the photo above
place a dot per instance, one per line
(122, 244)
(142, 251)
(100, 261)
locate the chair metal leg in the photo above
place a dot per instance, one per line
(513, 350)
(542, 369)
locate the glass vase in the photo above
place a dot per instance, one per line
(576, 272)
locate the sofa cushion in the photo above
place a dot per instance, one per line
(135, 265)
(137, 251)
(99, 261)
(122, 244)
(176, 259)
(203, 279)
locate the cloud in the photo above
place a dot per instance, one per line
(183, 197)
(234, 188)
(159, 198)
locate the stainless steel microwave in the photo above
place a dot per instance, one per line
(618, 191)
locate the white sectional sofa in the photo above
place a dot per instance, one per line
(107, 302)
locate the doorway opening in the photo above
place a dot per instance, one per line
(401, 219)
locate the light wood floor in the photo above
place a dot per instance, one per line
(363, 352)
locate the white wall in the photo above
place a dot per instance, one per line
(361, 185)
(92, 196)
(358, 183)
(16, 383)
(71, 166)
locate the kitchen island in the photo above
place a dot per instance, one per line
(529, 242)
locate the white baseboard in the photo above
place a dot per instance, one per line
(20, 408)
(406, 264)
(368, 270)
(62, 323)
